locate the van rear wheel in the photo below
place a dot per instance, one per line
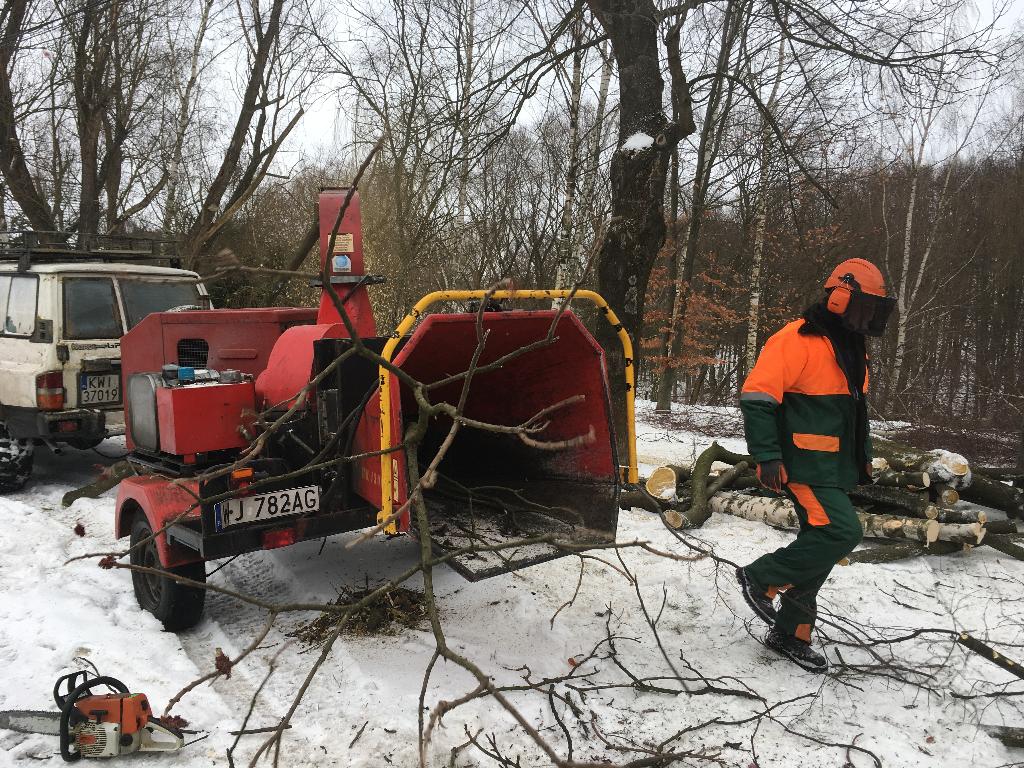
(177, 605)
(15, 461)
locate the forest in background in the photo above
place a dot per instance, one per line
(811, 139)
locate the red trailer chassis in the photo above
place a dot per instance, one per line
(206, 494)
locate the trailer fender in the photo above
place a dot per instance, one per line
(161, 501)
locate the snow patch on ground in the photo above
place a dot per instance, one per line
(52, 612)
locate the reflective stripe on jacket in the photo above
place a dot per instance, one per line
(798, 407)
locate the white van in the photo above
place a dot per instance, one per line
(60, 358)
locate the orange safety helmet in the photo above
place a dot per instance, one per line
(859, 281)
(853, 275)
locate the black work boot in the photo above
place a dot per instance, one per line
(756, 598)
(796, 650)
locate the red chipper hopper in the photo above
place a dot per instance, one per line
(243, 424)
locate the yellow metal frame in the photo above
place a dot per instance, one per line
(388, 465)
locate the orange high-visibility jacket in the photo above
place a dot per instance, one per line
(798, 407)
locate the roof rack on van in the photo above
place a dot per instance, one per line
(29, 247)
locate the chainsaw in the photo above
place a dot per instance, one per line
(97, 725)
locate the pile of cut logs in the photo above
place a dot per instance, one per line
(919, 502)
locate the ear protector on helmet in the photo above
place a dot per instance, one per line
(839, 298)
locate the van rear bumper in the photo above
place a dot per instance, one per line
(76, 424)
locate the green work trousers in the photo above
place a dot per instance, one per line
(829, 531)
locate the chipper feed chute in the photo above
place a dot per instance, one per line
(494, 487)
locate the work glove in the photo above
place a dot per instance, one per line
(772, 475)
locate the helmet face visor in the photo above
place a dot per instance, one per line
(867, 313)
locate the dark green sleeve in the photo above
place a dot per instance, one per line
(761, 427)
(869, 452)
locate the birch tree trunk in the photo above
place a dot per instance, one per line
(597, 139)
(565, 237)
(761, 216)
(467, 86)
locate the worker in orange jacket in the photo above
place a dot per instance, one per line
(806, 425)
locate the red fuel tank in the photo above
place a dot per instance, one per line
(204, 417)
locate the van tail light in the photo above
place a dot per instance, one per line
(50, 391)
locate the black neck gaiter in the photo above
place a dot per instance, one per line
(848, 345)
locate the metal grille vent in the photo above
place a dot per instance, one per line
(193, 353)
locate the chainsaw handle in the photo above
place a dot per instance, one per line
(74, 679)
(67, 706)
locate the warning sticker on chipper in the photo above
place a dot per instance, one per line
(344, 242)
(341, 263)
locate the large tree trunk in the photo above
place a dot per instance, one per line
(637, 230)
(12, 156)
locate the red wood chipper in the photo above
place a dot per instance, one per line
(203, 385)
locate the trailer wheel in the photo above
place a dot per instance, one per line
(178, 606)
(15, 461)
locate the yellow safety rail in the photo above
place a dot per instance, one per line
(388, 467)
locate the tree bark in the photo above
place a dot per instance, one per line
(564, 247)
(12, 155)
(917, 505)
(761, 215)
(903, 551)
(908, 480)
(637, 230)
(993, 493)
(698, 512)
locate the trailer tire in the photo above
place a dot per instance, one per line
(15, 461)
(176, 605)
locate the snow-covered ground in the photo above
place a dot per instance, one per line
(52, 612)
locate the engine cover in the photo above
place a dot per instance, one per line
(101, 739)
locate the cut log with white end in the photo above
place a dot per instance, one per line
(896, 527)
(946, 493)
(961, 533)
(780, 512)
(879, 465)
(959, 515)
(662, 484)
(943, 466)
